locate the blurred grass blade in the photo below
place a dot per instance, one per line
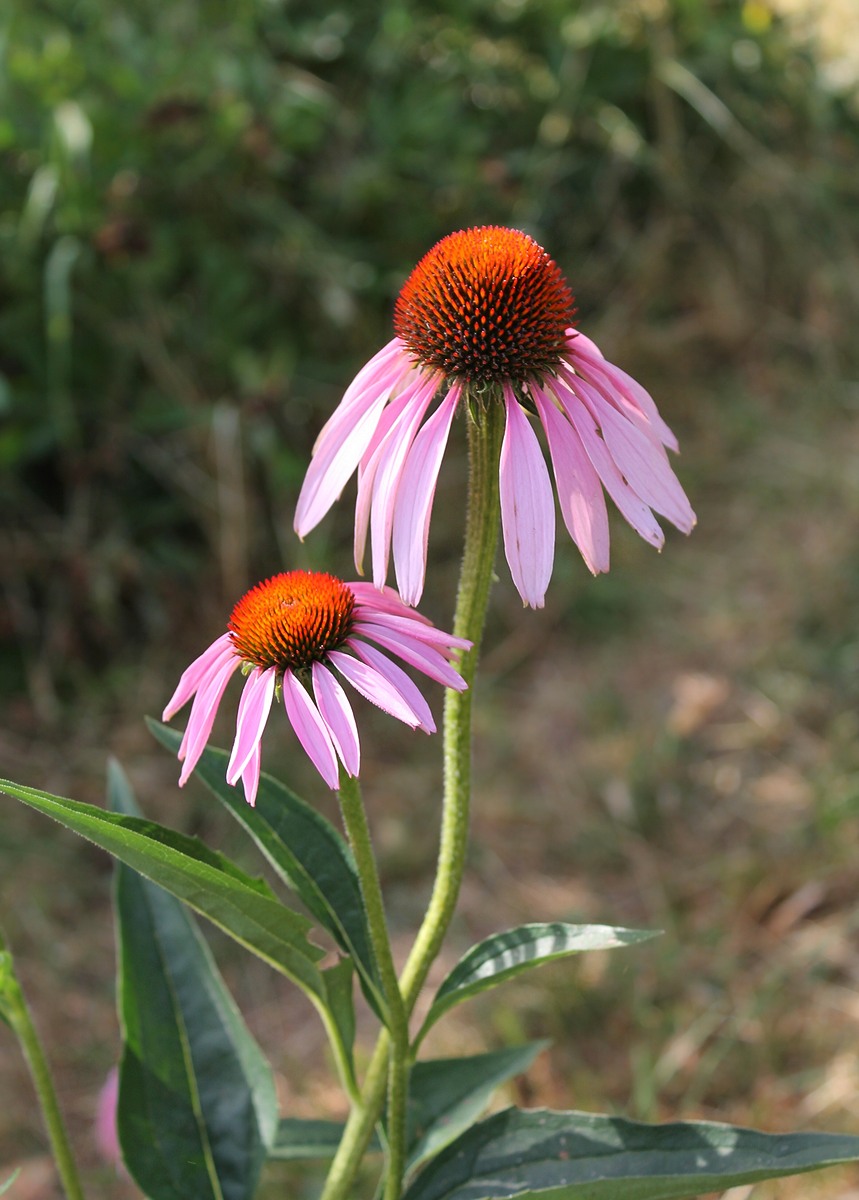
(74, 130)
(242, 907)
(39, 204)
(304, 848)
(446, 1095)
(197, 1106)
(4, 1187)
(716, 113)
(58, 329)
(543, 1155)
(505, 955)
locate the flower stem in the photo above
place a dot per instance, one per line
(339, 1184)
(13, 1007)
(481, 537)
(355, 820)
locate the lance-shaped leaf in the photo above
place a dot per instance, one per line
(507, 954)
(446, 1095)
(197, 1106)
(305, 850)
(242, 907)
(542, 1155)
(340, 1003)
(302, 1139)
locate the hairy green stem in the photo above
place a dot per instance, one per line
(355, 821)
(485, 432)
(13, 1007)
(362, 1120)
(481, 537)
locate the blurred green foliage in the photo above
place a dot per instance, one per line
(206, 210)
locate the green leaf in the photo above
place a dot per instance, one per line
(242, 907)
(297, 1139)
(340, 1004)
(542, 1155)
(305, 850)
(446, 1095)
(507, 954)
(197, 1106)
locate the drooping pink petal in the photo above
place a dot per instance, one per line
(339, 449)
(251, 774)
(390, 420)
(310, 729)
(337, 714)
(202, 718)
(378, 369)
(201, 669)
(576, 340)
(409, 691)
(631, 506)
(254, 708)
(415, 498)
(408, 627)
(381, 374)
(589, 361)
(374, 686)
(643, 464)
(371, 599)
(417, 654)
(411, 383)
(585, 376)
(387, 479)
(527, 506)
(580, 493)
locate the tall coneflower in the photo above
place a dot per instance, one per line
(486, 318)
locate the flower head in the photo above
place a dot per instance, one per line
(292, 635)
(487, 316)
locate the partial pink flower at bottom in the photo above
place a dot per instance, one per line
(486, 318)
(292, 636)
(105, 1132)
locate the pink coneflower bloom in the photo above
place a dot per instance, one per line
(487, 317)
(289, 635)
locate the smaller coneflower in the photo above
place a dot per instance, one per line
(289, 635)
(486, 317)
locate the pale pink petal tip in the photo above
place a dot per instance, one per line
(310, 729)
(104, 1129)
(254, 708)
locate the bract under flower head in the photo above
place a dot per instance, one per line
(293, 635)
(485, 305)
(486, 313)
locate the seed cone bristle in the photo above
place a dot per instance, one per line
(486, 305)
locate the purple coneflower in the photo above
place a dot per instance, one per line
(486, 317)
(297, 629)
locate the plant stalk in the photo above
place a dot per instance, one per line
(13, 1007)
(485, 433)
(355, 821)
(481, 538)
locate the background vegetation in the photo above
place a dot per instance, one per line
(206, 211)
